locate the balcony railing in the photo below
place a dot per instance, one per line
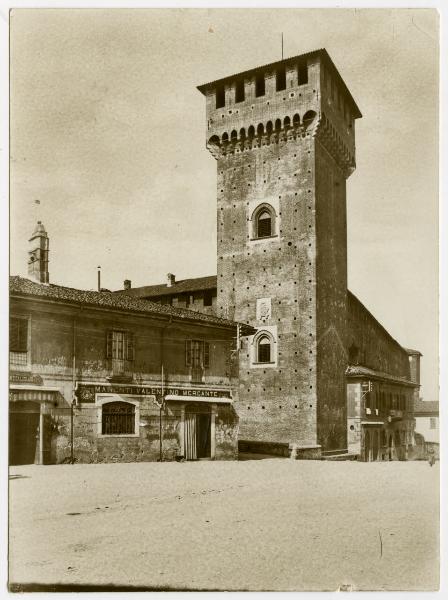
(121, 367)
(18, 360)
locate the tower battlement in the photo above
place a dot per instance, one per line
(300, 96)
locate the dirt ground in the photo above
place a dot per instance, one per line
(254, 525)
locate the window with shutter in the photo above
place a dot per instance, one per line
(110, 337)
(206, 355)
(188, 353)
(18, 335)
(120, 351)
(19, 355)
(130, 349)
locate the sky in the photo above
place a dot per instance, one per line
(108, 145)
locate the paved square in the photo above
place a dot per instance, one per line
(251, 525)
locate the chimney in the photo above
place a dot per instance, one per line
(171, 279)
(38, 255)
(127, 284)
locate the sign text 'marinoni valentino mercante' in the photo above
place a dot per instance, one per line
(86, 392)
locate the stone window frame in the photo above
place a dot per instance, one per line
(255, 208)
(101, 399)
(271, 332)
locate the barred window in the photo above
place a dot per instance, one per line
(118, 418)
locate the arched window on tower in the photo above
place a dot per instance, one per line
(264, 224)
(264, 351)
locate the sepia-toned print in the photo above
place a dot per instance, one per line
(223, 300)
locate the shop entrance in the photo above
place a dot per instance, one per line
(197, 433)
(23, 433)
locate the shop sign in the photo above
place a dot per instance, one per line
(20, 377)
(86, 392)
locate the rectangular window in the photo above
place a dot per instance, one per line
(208, 298)
(259, 85)
(432, 423)
(220, 96)
(18, 341)
(239, 91)
(280, 79)
(302, 74)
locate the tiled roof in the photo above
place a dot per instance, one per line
(360, 371)
(20, 286)
(181, 286)
(426, 407)
(352, 298)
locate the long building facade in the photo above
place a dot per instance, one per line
(283, 137)
(100, 377)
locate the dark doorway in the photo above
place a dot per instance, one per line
(23, 433)
(203, 435)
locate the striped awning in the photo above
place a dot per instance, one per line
(30, 393)
(201, 399)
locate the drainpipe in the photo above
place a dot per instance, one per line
(162, 404)
(160, 422)
(72, 405)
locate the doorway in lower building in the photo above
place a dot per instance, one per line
(197, 433)
(23, 433)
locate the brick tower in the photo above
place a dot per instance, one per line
(284, 141)
(38, 254)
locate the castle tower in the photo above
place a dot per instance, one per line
(284, 141)
(38, 255)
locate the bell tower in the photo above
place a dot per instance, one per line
(284, 141)
(38, 254)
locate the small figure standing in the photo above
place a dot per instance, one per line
(431, 456)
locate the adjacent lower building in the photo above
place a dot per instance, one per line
(426, 414)
(99, 378)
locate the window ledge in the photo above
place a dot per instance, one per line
(116, 435)
(260, 239)
(271, 362)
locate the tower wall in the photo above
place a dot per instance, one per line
(331, 300)
(277, 402)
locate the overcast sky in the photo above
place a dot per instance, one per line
(108, 145)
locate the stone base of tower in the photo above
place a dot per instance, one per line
(287, 450)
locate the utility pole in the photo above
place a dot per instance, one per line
(160, 419)
(99, 279)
